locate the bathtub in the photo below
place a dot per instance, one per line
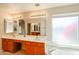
(62, 50)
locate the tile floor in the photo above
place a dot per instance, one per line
(7, 53)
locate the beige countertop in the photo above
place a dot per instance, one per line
(29, 38)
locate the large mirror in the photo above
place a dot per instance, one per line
(35, 26)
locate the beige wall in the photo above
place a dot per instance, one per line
(49, 13)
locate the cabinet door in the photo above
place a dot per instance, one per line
(4, 44)
(30, 50)
(10, 46)
(39, 50)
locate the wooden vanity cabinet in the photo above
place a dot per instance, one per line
(34, 48)
(40, 49)
(35, 33)
(4, 44)
(8, 45)
(28, 47)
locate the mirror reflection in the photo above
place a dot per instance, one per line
(21, 27)
(33, 28)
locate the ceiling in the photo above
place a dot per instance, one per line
(22, 7)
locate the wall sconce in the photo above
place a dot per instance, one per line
(8, 17)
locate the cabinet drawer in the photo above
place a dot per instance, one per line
(40, 44)
(37, 44)
(18, 40)
(27, 42)
(33, 43)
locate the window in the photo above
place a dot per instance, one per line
(9, 26)
(65, 30)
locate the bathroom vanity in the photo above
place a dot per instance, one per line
(33, 32)
(28, 47)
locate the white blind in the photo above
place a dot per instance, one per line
(65, 30)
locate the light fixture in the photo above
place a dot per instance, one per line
(9, 17)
